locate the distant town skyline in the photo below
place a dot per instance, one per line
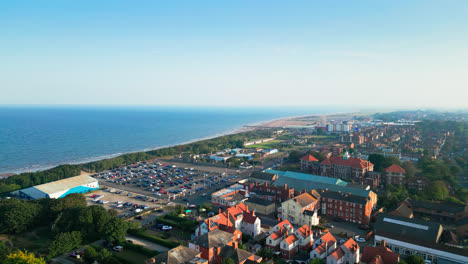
(242, 53)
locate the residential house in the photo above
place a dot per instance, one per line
(301, 210)
(178, 255)
(310, 163)
(278, 233)
(418, 183)
(323, 246)
(346, 253)
(239, 256)
(379, 255)
(238, 216)
(395, 175)
(211, 243)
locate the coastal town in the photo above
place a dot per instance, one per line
(340, 189)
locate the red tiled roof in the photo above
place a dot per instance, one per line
(327, 237)
(351, 245)
(388, 257)
(249, 218)
(395, 168)
(304, 231)
(338, 253)
(291, 239)
(309, 157)
(352, 162)
(284, 222)
(276, 235)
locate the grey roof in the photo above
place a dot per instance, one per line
(344, 196)
(216, 238)
(177, 255)
(238, 255)
(413, 235)
(262, 175)
(259, 201)
(442, 207)
(408, 227)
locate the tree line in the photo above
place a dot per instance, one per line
(70, 222)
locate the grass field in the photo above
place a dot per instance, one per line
(266, 145)
(36, 240)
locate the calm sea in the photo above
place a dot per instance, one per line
(36, 138)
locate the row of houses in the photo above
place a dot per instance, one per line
(288, 241)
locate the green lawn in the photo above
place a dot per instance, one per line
(266, 145)
(36, 240)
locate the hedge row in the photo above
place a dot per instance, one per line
(154, 239)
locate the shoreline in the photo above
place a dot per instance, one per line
(245, 128)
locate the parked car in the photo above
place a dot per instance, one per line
(117, 248)
(166, 228)
(361, 240)
(364, 227)
(329, 225)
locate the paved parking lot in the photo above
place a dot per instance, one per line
(164, 181)
(111, 201)
(351, 229)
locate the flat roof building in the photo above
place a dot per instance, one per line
(61, 188)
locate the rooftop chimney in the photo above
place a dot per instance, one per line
(253, 212)
(383, 243)
(285, 186)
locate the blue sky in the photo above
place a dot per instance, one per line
(304, 53)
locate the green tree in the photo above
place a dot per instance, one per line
(115, 230)
(414, 259)
(295, 156)
(265, 253)
(64, 242)
(378, 161)
(437, 190)
(242, 246)
(17, 216)
(103, 256)
(20, 257)
(90, 254)
(208, 207)
(316, 261)
(409, 168)
(4, 251)
(228, 261)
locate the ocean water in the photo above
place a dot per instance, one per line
(36, 138)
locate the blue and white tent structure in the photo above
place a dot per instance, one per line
(61, 188)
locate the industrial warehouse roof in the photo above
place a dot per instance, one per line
(60, 185)
(308, 177)
(406, 227)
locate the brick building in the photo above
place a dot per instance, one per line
(346, 206)
(395, 175)
(310, 163)
(346, 168)
(270, 192)
(418, 183)
(211, 243)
